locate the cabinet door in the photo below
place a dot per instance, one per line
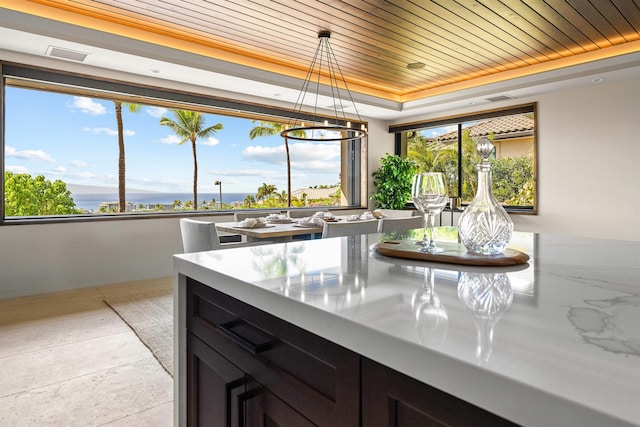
(214, 385)
(390, 398)
(312, 375)
(263, 409)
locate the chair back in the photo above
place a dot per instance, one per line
(397, 213)
(241, 216)
(198, 235)
(300, 213)
(349, 228)
(387, 225)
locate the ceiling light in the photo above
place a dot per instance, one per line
(154, 71)
(598, 80)
(324, 66)
(415, 65)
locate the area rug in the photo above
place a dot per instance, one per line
(150, 315)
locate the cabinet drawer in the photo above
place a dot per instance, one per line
(316, 377)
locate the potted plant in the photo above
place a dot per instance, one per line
(393, 182)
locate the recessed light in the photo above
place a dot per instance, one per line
(598, 80)
(473, 102)
(415, 65)
(154, 71)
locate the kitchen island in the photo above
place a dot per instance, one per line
(319, 329)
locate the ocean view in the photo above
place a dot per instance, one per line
(91, 201)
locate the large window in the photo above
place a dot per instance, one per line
(80, 147)
(449, 145)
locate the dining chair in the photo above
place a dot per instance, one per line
(349, 228)
(240, 216)
(397, 213)
(300, 213)
(198, 236)
(387, 225)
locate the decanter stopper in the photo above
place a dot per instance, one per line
(485, 227)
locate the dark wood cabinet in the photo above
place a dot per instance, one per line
(214, 387)
(392, 399)
(264, 409)
(248, 368)
(288, 366)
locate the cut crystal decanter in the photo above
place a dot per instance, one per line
(484, 226)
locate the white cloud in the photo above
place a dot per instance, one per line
(78, 163)
(170, 139)
(304, 155)
(28, 154)
(245, 172)
(430, 133)
(16, 169)
(317, 166)
(155, 111)
(272, 155)
(87, 106)
(211, 141)
(83, 175)
(108, 131)
(60, 170)
(304, 151)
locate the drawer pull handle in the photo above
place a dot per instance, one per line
(255, 348)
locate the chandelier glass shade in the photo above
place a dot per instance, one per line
(304, 126)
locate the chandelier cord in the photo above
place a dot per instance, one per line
(320, 127)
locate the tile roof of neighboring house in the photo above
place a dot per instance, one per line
(315, 193)
(503, 128)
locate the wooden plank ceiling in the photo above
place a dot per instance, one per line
(374, 40)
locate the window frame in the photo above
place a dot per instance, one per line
(400, 147)
(40, 78)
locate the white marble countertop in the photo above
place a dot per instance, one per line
(555, 343)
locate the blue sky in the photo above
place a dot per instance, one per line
(74, 139)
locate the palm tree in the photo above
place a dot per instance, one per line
(445, 159)
(271, 129)
(265, 190)
(134, 108)
(189, 126)
(249, 201)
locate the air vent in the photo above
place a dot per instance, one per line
(72, 55)
(499, 98)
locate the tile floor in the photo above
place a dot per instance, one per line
(67, 359)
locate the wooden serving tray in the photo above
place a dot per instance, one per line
(455, 253)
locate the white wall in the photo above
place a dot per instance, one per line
(589, 177)
(588, 161)
(42, 258)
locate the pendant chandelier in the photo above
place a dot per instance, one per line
(304, 126)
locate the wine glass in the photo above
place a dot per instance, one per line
(429, 194)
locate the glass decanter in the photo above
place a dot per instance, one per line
(484, 226)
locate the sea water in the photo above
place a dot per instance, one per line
(91, 201)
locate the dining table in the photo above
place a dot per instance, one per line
(277, 232)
